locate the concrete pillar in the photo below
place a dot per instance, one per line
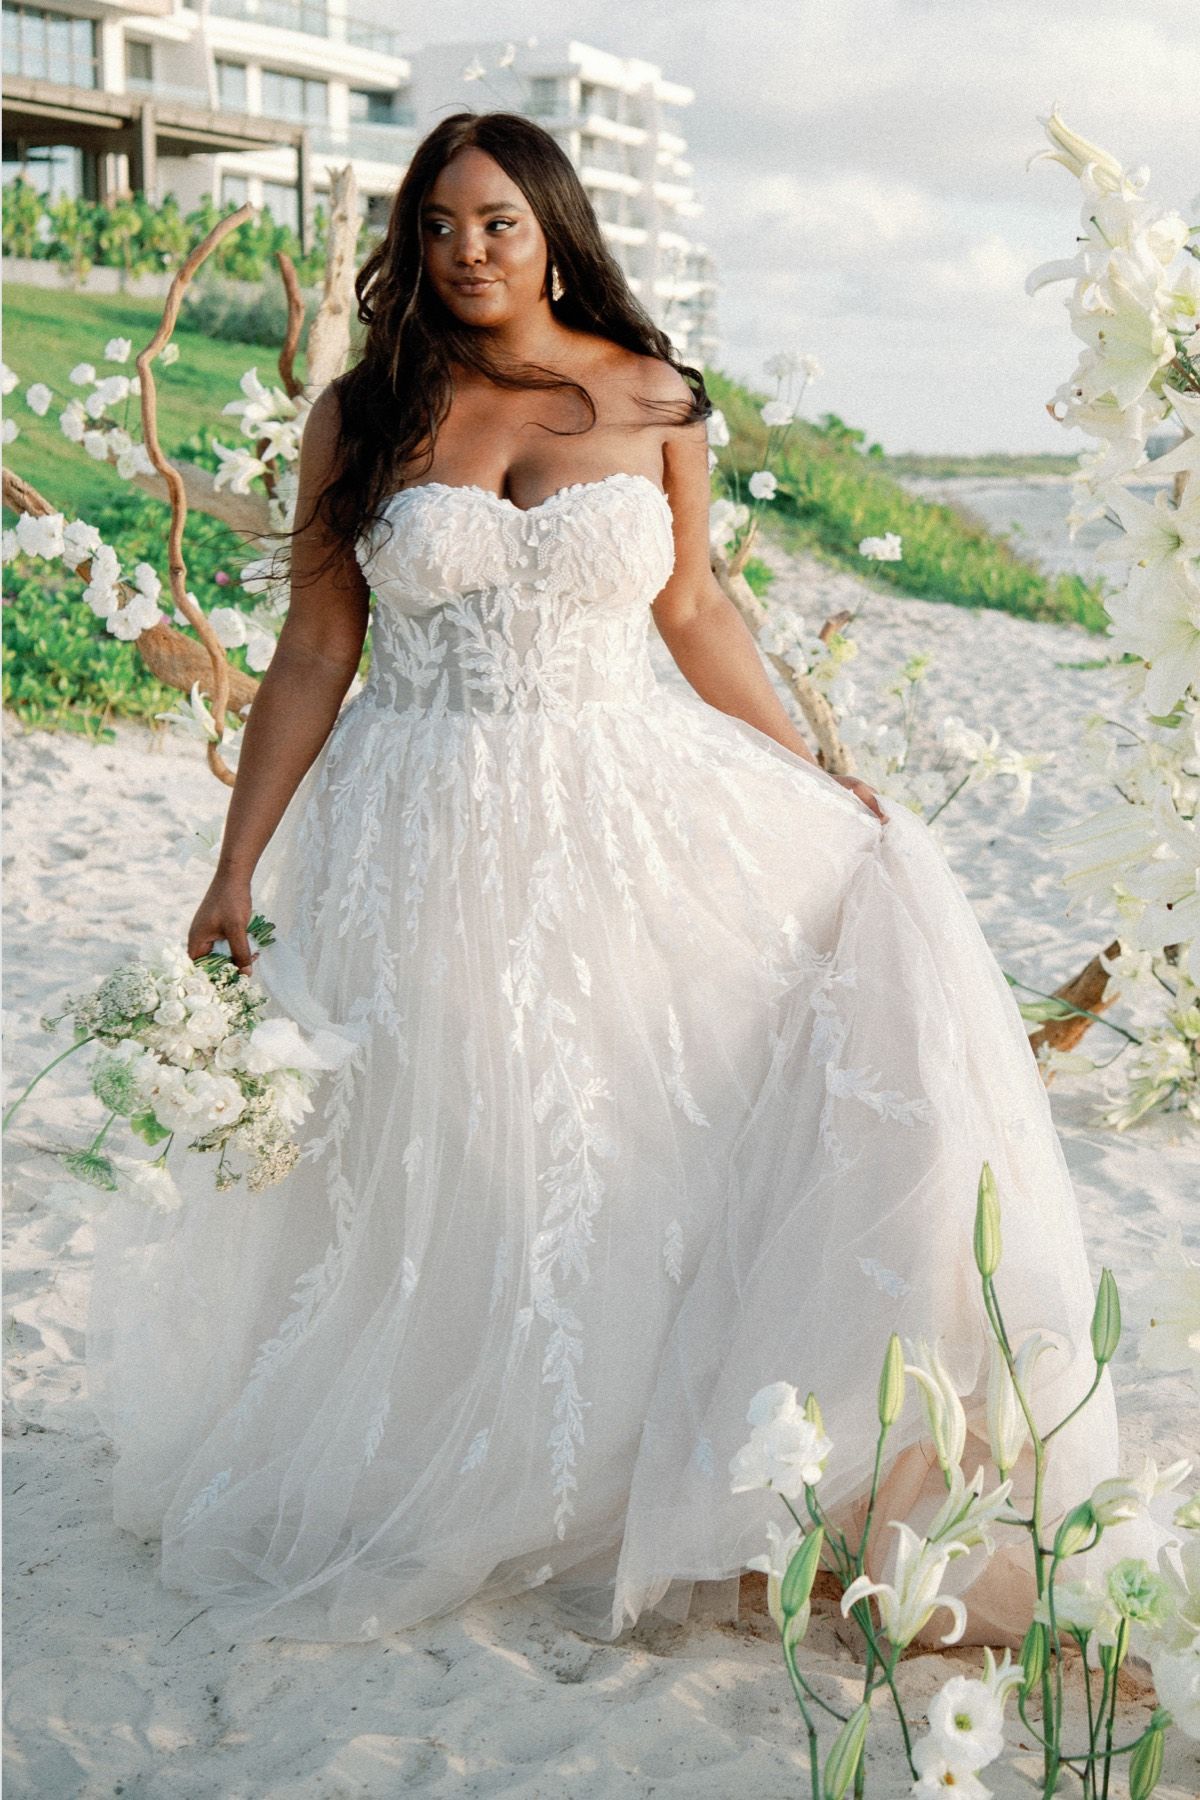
(304, 188)
(143, 161)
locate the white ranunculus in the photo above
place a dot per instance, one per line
(137, 615)
(72, 421)
(278, 1044)
(96, 445)
(95, 404)
(134, 461)
(230, 626)
(114, 388)
(777, 412)
(260, 648)
(967, 1721)
(882, 549)
(80, 541)
(220, 1098)
(41, 536)
(786, 1450)
(762, 485)
(146, 581)
(38, 398)
(102, 597)
(117, 349)
(82, 375)
(717, 429)
(151, 1182)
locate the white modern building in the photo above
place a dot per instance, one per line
(621, 124)
(255, 100)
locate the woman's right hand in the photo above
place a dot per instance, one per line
(224, 912)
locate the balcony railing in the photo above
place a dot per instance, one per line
(365, 139)
(312, 18)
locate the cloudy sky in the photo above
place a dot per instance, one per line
(862, 169)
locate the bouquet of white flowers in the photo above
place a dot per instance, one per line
(186, 1052)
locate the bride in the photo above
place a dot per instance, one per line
(669, 1060)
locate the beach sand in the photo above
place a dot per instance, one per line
(115, 1685)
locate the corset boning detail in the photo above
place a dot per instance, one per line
(496, 652)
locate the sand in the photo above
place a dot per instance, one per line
(116, 1686)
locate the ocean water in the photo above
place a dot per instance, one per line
(1032, 515)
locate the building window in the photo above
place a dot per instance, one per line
(55, 170)
(544, 92)
(49, 46)
(139, 63)
(372, 106)
(293, 96)
(603, 100)
(283, 203)
(231, 85)
(235, 191)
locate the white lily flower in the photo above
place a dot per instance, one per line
(1171, 1340)
(1076, 154)
(943, 1407)
(118, 349)
(773, 1564)
(1008, 1431)
(238, 468)
(906, 1603)
(1162, 625)
(967, 1513)
(1124, 1497)
(192, 713)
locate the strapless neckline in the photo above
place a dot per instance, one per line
(573, 487)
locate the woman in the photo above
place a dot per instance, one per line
(670, 1059)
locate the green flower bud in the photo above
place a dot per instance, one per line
(1033, 1656)
(844, 1758)
(1145, 1765)
(1076, 1530)
(801, 1573)
(891, 1383)
(987, 1223)
(1106, 1319)
(812, 1413)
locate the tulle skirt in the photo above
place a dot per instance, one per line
(665, 1072)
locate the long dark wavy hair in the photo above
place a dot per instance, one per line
(396, 396)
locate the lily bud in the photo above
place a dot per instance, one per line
(891, 1383)
(1106, 1319)
(1076, 1530)
(843, 1760)
(987, 1223)
(1033, 1656)
(801, 1573)
(813, 1414)
(1145, 1765)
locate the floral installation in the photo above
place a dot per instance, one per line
(878, 730)
(183, 1050)
(1155, 1613)
(1134, 304)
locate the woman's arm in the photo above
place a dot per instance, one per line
(699, 623)
(315, 660)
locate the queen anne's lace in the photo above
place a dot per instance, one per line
(673, 1074)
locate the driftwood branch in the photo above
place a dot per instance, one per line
(832, 754)
(329, 334)
(1085, 989)
(292, 386)
(176, 488)
(178, 661)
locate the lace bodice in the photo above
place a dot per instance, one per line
(485, 606)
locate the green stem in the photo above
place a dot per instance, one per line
(1089, 1778)
(1118, 1657)
(102, 1133)
(814, 1756)
(69, 1051)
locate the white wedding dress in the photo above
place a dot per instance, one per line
(667, 1072)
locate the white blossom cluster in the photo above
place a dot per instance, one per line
(1134, 304)
(185, 1052)
(128, 605)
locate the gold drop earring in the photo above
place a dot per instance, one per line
(556, 286)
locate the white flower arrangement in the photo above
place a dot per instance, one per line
(1134, 304)
(184, 1051)
(1155, 1612)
